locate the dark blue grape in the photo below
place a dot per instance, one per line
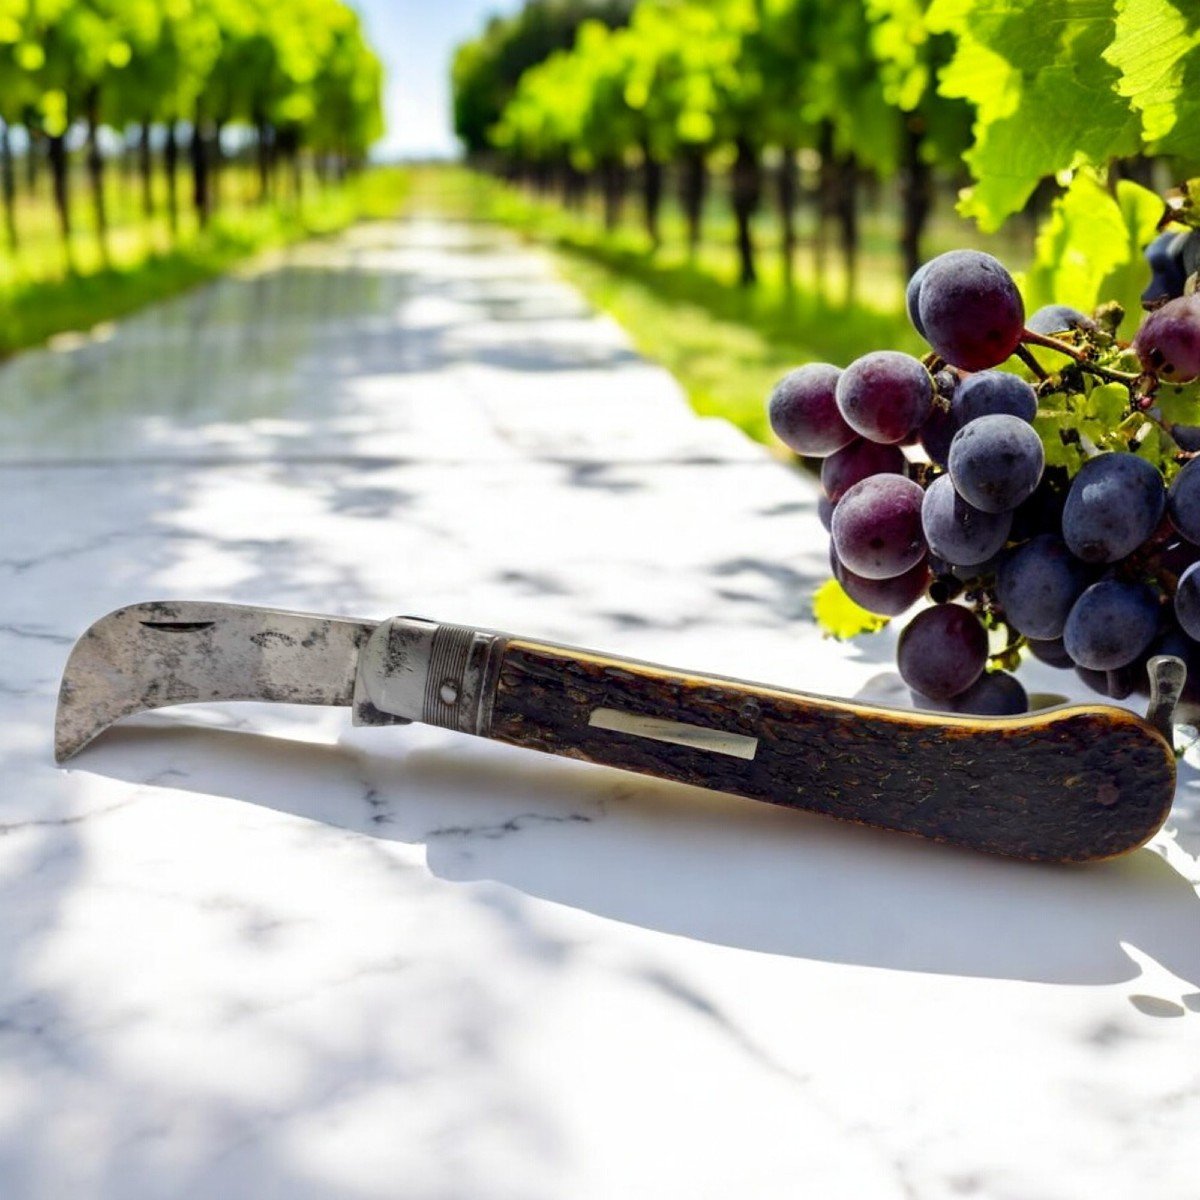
(825, 512)
(1187, 247)
(1183, 501)
(1037, 584)
(1110, 625)
(1187, 602)
(1059, 318)
(988, 392)
(1052, 652)
(958, 531)
(937, 433)
(942, 651)
(804, 414)
(856, 462)
(970, 309)
(1168, 342)
(1115, 503)
(912, 296)
(1116, 685)
(1187, 437)
(877, 527)
(993, 694)
(1164, 255)
(885, 396)
(1043, 510)
(996, 462)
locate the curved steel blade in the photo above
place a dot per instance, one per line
(183, 652)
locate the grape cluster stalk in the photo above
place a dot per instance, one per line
(937, 491)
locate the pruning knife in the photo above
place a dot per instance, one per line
(1071, 783)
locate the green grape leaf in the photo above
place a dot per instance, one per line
(1155, 446)
(1046, 99)
(1155, 51)
(1179, 404)
(839, 617)
(1049, 424)
(1089, 249)
(1107, 404)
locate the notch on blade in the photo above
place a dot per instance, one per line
(152, 655)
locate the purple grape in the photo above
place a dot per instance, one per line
(970, 309)
(1059, 318)
(877, 527)
(1037, 584)
(937, 433)
(956, 530)
(1168, 343)
(856, 462)
(942, 651)
(996, 462)
(1183, 501)
(1052, 652)
(803, 411)
(1110, 625)
(988, 392)
(993, 694)
(884, 597)
(1187, 602)
(885, 395)
(1115, 503)
(912, 297)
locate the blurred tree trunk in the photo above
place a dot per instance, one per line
(33, 134)
(95, 169)
(171, 165)
(216, 161)
(746, 195)
(788, 193)
(916, 190)
(847, 211)
(693, 190)
(8, 186)
(56, 149)
(824, 201)
(262, 147)
(613, 181)
(145, 169)
(652, 189)
(199, 156)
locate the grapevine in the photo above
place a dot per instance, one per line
(1031, 485)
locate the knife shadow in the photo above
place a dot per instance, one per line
(685, 861)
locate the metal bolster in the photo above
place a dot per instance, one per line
(418, 670)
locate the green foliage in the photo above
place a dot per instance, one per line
(1089, 250)
(486, 69)
(1059, 84)
(838, 616)
(304, 66)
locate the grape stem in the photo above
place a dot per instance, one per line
(1082, 361)
(1024, 354)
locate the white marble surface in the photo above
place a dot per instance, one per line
(253, 952)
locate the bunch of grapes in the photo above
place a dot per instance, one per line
(1000, 497)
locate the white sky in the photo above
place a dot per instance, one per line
(415, 39)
